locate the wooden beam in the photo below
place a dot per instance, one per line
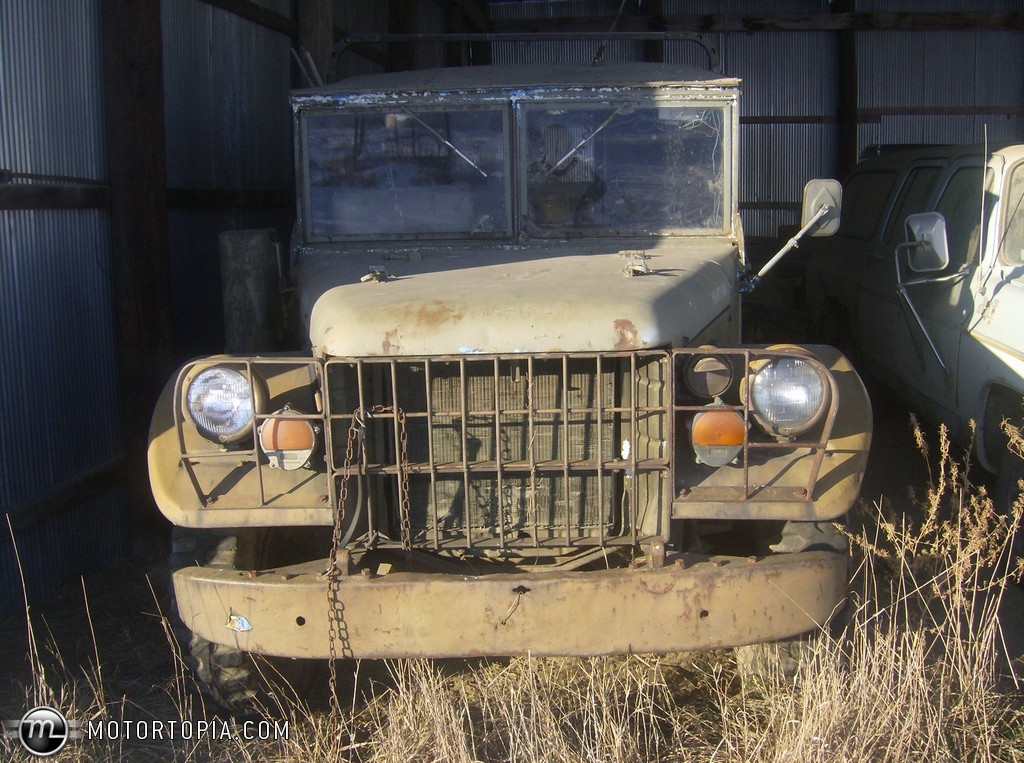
(788, 119)
(480, 52)
(316, 34)
(230, 198)
(136, 150)
(820, 22)
(475, 13)
(654, 50)
(18, 196)
(402, 17)
(454, 23)
(847, 92)
(875, 113)
(257, 14)
(59, 497)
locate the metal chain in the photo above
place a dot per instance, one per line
(403, 473)
(336, 628)
(403, 438)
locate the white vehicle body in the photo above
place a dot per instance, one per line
(946, 338)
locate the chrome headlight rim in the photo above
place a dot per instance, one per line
(770, 420)
(235, 381)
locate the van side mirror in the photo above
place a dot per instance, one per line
(927, 242)
(819, 194)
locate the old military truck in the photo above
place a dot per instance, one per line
(524, 422)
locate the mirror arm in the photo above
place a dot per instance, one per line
(747, 283)
(901, 288)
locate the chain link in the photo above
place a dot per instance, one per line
(403, 438)
(337, 632)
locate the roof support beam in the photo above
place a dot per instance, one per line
(136, 154)
(783, 22)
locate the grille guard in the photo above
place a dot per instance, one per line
(649, 408)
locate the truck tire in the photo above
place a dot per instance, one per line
(762, 665)
(1007, 489)
(222, 673)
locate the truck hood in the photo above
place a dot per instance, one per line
(570, 299)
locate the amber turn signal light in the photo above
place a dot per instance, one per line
(287, 440)
(717, 436)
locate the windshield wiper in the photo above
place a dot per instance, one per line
(586, 140)
(447, 142)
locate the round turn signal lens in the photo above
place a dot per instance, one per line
(717, 428)
(287, 440)
(717, 436)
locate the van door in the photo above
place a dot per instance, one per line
(928, 362)
(883, 335)
(992, 349)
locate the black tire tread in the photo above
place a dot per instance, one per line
(226, 675)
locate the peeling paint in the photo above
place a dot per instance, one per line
(392, 343)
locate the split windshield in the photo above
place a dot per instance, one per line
(616, 168)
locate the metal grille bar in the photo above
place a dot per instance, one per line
(506, 451)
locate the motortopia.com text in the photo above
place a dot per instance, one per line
(150, 730)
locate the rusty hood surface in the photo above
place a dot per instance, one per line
(572, 298)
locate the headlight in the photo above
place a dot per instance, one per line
(220, 402)
(788, 395)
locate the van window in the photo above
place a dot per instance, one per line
(1012, 250)
(864, 199)
(913, 197)
(960, 204)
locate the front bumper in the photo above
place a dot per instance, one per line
(690, 603)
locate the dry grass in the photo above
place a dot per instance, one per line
(913, 672)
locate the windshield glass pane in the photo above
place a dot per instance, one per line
(1012, 250)
(406, 172)
(624, 168)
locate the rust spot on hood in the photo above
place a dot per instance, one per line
(626, 333)
(392, 342)
(435, 313)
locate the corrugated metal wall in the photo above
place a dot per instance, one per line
(59, 409)
(228, 126)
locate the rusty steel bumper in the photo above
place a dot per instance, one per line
(690, 603)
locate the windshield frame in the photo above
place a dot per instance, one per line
(415, 109)
(510, 103)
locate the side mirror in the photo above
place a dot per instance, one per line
(818, 194)
(926, 239)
